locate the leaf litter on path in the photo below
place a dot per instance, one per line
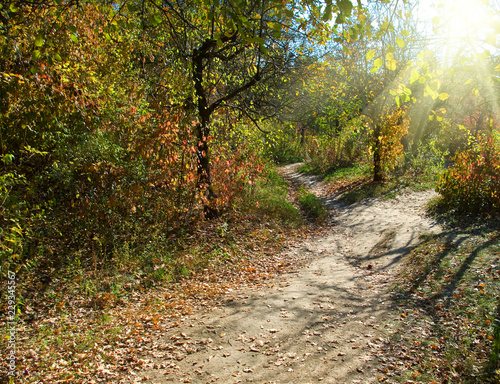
(331, 321)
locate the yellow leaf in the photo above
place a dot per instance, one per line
(443, 96)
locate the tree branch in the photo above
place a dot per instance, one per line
(254, 80)
(254, 121)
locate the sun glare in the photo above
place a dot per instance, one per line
(465, 26)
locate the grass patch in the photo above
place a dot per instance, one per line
(366, 188)
(269, 198)
(356, 184)
(354, 181)
(346, 173)
(449, 290)
(341, 172)
(311, 205)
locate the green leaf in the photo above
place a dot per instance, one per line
(400, 42)
(370, 55)
(436, 20)
(391, 65)
(345, 7)
(36, 55)
(430, 92)
(414, 76)
(74, 38)
(327, 15)
(340, 19)
(443, 96)
(39, 41)
(385, 26)
(378, 63)
(405, 33)
(397, 101)
(153, 21)
(72, 28)
(13, 8)
(57, 57)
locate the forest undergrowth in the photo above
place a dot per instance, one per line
(448, 290)
(70, 322)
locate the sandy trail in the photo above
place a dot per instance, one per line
(326, 323)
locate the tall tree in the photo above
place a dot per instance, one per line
(226, 49)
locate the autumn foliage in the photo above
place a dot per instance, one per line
(473, 183)
(94, 154)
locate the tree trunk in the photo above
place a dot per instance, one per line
(203, 167)
(378, 174)
(202, 55)
(202, 132)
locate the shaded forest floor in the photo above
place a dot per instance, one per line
(366, 296)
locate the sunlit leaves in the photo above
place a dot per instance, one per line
(474, 181)
(443, 96)
(370, 55)
(414, 76)
(390, 63)
(431, 91)
(376, 65)
(39, 41)
(36, 55)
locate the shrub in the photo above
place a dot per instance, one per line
(427, 164)
(283, 147)
(473, 183)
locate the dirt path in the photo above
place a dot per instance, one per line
(326, 323)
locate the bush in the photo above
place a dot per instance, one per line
(473, 184)
(283, 147)
(321, 153)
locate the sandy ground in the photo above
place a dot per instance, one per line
(327, 322)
